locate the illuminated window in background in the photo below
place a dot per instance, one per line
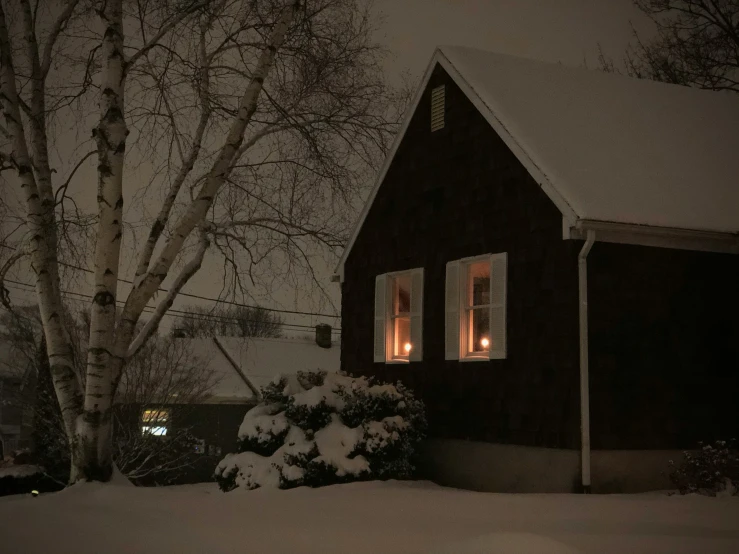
(477, 308)
(156, 431)
(401, 316)
(154, 422)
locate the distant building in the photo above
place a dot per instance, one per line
(549, 259)
(241, 366)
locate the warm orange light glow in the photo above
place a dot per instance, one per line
(485, 342)
(407, 347)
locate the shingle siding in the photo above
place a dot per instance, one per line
(460, 192)
(664, 346)
(664, 337)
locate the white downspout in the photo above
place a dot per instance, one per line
(582, 266)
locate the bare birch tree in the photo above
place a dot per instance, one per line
(165, 373)
(697, 44)
(261, 119)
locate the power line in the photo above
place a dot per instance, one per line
(172, 312)
(176, 313)
(190, 295)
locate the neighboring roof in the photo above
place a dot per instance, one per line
(603, 147)
(262, 360)
(259, 361)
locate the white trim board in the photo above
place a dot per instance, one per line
(658, 237)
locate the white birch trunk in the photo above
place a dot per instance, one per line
(94, 429)
(190, 269)
(42, 225)
(145, 287)
(187, 164)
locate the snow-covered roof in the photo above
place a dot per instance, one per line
(262, 360)
(259, 360)
(616, 148)
(604, 147)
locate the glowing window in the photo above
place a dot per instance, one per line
(398, 316)
(154, 422)
(475, 311)
(156, 431)
(477, 308)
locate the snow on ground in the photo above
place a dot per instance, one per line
(390, 517)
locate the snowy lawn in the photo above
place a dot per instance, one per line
(389, 517)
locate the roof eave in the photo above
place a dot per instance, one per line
(660, 237)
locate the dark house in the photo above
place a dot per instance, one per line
(240, 367)
(549, 258)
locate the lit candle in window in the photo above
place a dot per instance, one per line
(485, 342)
(407, 347)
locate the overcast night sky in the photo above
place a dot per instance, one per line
(566, 31)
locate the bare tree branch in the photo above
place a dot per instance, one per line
(145, 289)
(190, 269)
(293, 116)
(63, 189)
(184, 10)
(697, 44)
(56, 29)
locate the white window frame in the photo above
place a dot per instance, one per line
(457, 308)
(384, 339)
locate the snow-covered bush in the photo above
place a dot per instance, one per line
(314, 429)
(19, 475)
(712, 470)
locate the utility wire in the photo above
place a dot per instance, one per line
(172, 312)
(190, 295)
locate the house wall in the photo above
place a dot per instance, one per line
(485, 466)
(216, 424)
(455, 193)
(664, 337)
(664, 347)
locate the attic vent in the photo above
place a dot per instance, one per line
(437, 108)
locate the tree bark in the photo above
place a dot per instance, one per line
(146, 285)
(94, 430)
(42, 225)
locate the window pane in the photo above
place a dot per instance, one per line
(155, 416)
(402, 294)
(478, 284)
(156, 431)
(479, 330)
(402, 337)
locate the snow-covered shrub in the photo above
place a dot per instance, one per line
(315, 429)
(19, 475)
(712, 470)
